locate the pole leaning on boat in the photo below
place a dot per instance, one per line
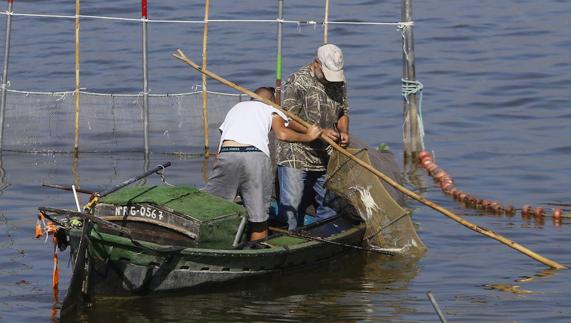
(134, 179)
(479, 229)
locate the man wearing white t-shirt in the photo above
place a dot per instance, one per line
(243, 165)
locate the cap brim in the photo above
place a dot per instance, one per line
(333, 76)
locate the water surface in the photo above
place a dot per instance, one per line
(496, 112)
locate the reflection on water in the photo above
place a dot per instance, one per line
(500, 132)
(517, 289)
(75, 170)
(3, 182)
(205, 168)
(350, 288)
(543, 274)
(514, 289)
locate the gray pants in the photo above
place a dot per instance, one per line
(248, 174)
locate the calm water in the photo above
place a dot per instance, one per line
(496, 111)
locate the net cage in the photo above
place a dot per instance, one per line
(45, 122)
(389, 223)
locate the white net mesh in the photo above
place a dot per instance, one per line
(40, 122)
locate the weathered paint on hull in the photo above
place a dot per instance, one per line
(117, 266)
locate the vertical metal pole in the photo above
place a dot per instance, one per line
(5, 72)
(279, 52)
(411, 132)
(204, 89)
(326, 23)
(436, 307)
(77, 82)
(145, 76)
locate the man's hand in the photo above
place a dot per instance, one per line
(313, 132)
(344, 139)
(331, 134)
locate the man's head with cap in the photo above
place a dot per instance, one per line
(330, 58)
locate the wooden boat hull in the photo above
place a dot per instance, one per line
(118, 265)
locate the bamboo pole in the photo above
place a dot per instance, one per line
(484, 231)
(77, 81)
(5, 71)
(204, 89)
(411, 131)
(144, 17)
(326, 23)
(279, 52)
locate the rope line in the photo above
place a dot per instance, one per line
(414, 87)
(65, 93)
(296, 22)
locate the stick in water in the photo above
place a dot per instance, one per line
(484, 231)
(436, 307)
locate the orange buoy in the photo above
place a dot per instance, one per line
(439, 174)
(527, 210)
(539, 212)
(557, 213)
(496, 207)
(431, 168)
(446, 186)
(424, 155)
(447, 178)
(426, 163)
(455, 193)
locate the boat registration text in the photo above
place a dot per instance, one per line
(139, 210)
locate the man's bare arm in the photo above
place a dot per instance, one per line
(287, 134)
(343, 127)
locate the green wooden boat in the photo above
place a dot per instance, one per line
(183, 238)
(146, 239)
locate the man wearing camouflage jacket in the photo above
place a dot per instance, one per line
(317, 94)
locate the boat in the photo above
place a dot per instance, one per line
(138, 240)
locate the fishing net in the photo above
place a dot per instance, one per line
(45, 122)
(389, 223)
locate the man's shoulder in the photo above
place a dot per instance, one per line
(249, 105)
(303, 75)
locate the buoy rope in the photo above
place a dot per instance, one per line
(415, 87)
(447, 186)
(63, 94)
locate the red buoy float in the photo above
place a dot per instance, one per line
(557, 213)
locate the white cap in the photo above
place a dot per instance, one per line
(331, 58)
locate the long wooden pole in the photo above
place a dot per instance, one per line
(484, 231)
(77, 83)
(204, 89)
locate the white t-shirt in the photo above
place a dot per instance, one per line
(249, 123)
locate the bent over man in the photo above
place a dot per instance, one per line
(243, 165)
(317, 94)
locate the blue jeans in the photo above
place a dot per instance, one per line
(298, 188)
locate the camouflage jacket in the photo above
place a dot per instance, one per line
(315, 103)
